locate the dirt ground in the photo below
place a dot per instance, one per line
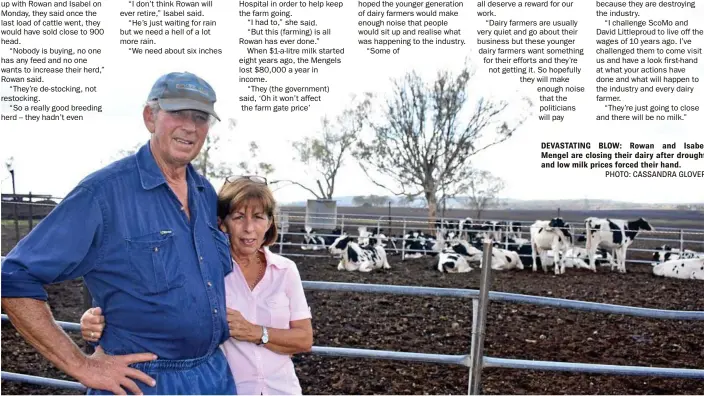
(442, 326)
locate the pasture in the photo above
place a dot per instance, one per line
(442, 325)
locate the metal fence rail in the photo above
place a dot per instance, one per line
(506, 297)
(477, 334)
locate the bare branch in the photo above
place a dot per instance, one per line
(425, 142)
(297, 184)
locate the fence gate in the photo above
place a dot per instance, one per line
(282, 218)
(321, 214)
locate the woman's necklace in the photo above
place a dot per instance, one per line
(259, 275)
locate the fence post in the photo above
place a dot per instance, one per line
(681, 240)
(479, 325)
(388, 232)
(281, 243)
(403, 241)
(17, 219)
(31, 216)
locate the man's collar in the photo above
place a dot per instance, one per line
(151, 175)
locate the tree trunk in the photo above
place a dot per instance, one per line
(432, 209)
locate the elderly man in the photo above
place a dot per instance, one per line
(143, 234)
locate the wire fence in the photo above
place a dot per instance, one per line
(397, 231)
(293, 234)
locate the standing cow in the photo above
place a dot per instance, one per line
(550, 235)
(615, 235)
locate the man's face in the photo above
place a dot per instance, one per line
(178, 136)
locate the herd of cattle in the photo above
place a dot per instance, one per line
(458, 244)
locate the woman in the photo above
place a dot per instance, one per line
(268, 315)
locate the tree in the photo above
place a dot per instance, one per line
(324, 154)
(370, 200)
(204, 161)
(483, 191)
(425, 141)
(253, 167)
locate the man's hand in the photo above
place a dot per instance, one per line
(92, 324)
(241, 329)
(111, 373)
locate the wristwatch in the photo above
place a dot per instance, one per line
(265, 336)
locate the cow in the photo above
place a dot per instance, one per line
(667, 253)
(681, 269)
(490, 229)
(578, 257)
(503, 259)
(418, 244)
(521, 246)
(372, 238)
(508, 229)
(358, 258)
(550, 235)
(452, 263)
(313, 241)
(615, 235)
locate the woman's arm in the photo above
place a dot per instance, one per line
(297, 339)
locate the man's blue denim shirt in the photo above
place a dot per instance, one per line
(158, 276)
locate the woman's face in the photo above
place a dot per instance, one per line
(247, 227)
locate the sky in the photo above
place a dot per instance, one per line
(51, 157)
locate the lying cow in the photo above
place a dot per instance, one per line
(681, 269)
(372, 238)
(614, 235)
(503, 259)
(578, 257)
(667, 253)
(356, 257)
(313, 241)
(452, 263)
(418, 244)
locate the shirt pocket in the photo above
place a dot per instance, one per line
(279, 311)
(155, 262)
(222, 245)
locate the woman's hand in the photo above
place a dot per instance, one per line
(92, 324)
(241, 329)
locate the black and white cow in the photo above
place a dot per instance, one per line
(418, 244)
(456, 255)
(501, 259)
(358, 258)
(667, 253)
(578, 257)
(552, 235)
(614, 235)
(372, 237)
(312, 240)
(453, 263)
(692, 268)
(507, 229)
